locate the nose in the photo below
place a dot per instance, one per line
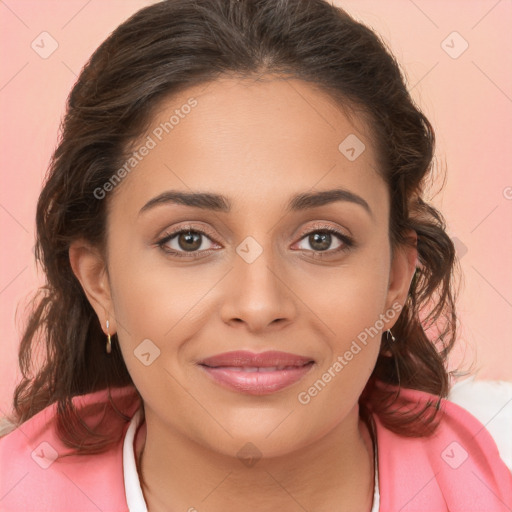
(257, 295)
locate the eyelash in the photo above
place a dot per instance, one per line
(347, 241)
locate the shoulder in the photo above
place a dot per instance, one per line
(458, 468)
(39, 474)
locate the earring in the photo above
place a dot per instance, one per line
(109, 343)
(390, 334)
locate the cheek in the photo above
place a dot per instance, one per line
(347, 298)
(159, 308)
(150, 295)
(351, 319)
(349, 305)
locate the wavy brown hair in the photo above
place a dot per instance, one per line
(161, 50)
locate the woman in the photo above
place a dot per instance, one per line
(249, 303)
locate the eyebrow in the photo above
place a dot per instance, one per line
(220, 203)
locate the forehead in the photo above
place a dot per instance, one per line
(249, 139)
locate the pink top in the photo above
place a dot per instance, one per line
(458, 469)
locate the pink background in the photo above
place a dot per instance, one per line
(468, 99)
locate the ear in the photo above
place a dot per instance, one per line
(90, 269)
(401, 274)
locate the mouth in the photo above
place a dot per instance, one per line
(256, 373)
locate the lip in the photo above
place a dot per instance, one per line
(256, 373)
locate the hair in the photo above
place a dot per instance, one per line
(166, 48)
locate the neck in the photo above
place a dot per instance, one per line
(334, 473)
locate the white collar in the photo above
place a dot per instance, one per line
(134, 496)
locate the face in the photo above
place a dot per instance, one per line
(258, 267)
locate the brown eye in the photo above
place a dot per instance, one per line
(185, 243)
(321, 240)
(189, 240)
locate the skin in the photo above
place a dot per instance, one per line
(258, 144)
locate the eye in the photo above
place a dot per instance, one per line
(187, 243)
(322, 238)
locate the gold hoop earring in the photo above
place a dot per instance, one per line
(109, 342)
